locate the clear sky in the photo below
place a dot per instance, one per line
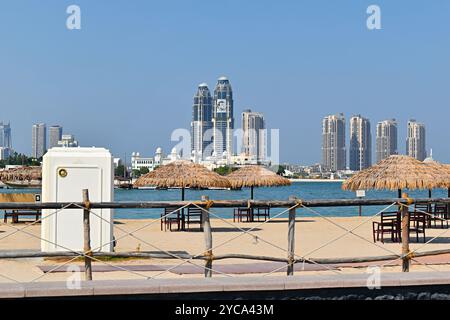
(127, 78)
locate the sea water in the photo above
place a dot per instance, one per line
(302, 190)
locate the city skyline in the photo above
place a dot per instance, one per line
(360, 150)
(311, 60)
(334, 142)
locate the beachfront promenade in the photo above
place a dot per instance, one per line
(319, 245)
(323, 251)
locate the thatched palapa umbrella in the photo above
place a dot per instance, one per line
(21, 174)
(182, 174)
(444, 170)
(396, 172)
(256, 176)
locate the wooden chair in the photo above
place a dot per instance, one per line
(441, 214)
(417, 224)
(15, 214)
(194, 216)
(389, 224)
(261, 212)
(171, 216)
(240, 213)
(425, 207)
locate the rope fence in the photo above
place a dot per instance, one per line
(289, 207)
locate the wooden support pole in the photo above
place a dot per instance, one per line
(87, 236)
(208, 240)
(291, 242)
(405, 236)
(448, 204)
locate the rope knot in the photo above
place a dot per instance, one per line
(209, 255)
(209, 204)
(410, 255)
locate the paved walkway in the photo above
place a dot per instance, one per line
(251, 268)
(219, 285)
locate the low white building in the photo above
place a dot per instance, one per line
(68, 141)
(159, 159)
(138, 162)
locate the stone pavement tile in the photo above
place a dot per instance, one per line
(125, 287)
(12, 290)
(253, 283)
(191, 285)
(314, 281)
(55, 289)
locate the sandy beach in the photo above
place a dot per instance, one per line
(313, 240)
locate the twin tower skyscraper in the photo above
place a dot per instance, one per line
(212, 121)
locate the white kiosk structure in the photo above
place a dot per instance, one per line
(65, 173)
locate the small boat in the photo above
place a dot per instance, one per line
(127, 186)
(217, 188)
(146, 188)
(23, 184)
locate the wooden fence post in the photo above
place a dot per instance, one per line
(291, 242)
(87, 236)
(208, 240)
(405, 235)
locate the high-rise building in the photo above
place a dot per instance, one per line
(360, 143)
(223, 121)
(5, 153)
(201, 125)
(333, 143)
(5, 135)
(415, 141)
(55, 135)
(254, 135)
(39, 140)
(386, 139)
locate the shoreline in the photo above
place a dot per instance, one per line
(317, 180)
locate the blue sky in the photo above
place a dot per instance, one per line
(127, 78)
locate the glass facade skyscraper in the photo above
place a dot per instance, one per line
(254, 135)
(223, 121)
(386, 139)
(360, 143)
(5, 136)
(201, 125)
(415, 141)
(55, 135)
(333, 143)
(39, 140)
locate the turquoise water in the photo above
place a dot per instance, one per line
(303, 190)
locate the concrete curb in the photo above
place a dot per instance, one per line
(238, 284)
